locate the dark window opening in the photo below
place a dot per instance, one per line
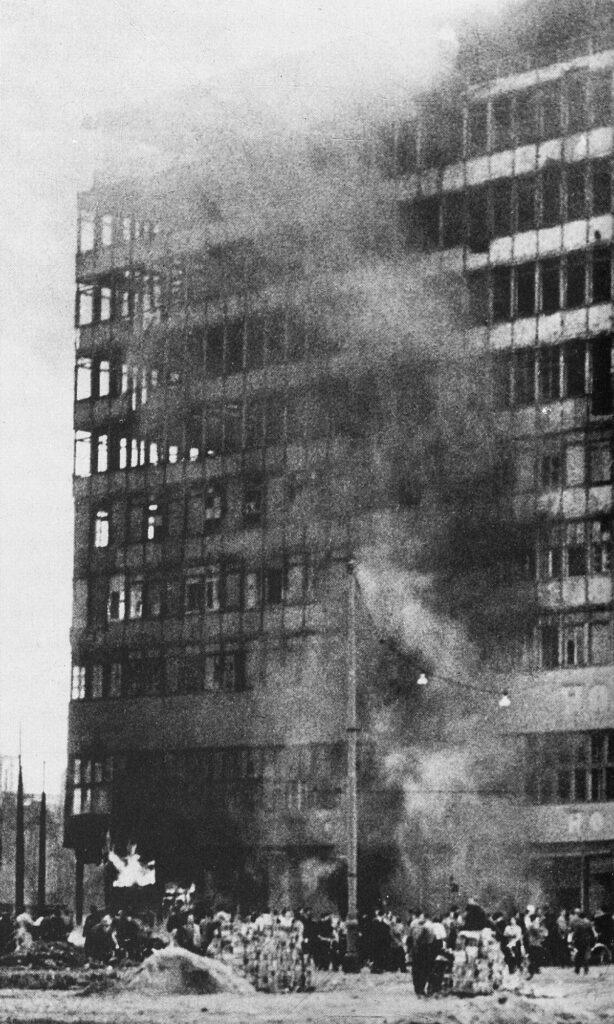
(601, 186)
(524, 377)
(502, 122)
(525, 204)
(477, 129)
(501, 208)
(551, 297)
(574, 369)
(576, 280)
(551, 196)
(575, 180)
(215, 350)
(501, 279)
(550, 110)
(549, 646)
(526, 117)
(253, 503)
(601, 377)
(406, 148)
(577, 103)
(477, 199)
(601, 274)
(421, 222)
(601, 98)
(274, 585)
(525, 289)
(551, 470)
(453, 220)
(549, 374)
(234, 346)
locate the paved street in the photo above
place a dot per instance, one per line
(557, 996)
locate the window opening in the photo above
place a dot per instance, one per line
(101, 528)
(576, 280)
(83, 453)
(86, 232)
(84, 379)
(78, 684)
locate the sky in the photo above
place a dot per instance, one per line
(64, 63)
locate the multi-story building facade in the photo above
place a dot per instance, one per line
(518, 183)
(215, 518)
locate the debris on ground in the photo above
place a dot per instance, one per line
(176, 970)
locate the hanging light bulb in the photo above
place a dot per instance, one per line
(504, 700)
(422, 680)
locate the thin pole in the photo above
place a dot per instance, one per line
(19, 843)
(351, 963)
(42, 851)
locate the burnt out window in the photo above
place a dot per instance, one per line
(234, 346)
(549, 645)
(600, 85)
(575, 549)
(501, 208)
(601, 186)
(574, 355)
(526, 117)
(524, 376)
(502, 134)
(601, 377)
(550, 110)
(215, 350)
(525, 219)
(453, 215)
(576, 102)
(254, 343)
(550, 470)
(101, 528)
(501, 292)
(601, 273)
(477, 217)
(575, 186)
(576, 280)
(549, 374)
(253, 502)
(477, 129)
(550, 285)
(550, 187)
(213, 503)
(274, 585)
(525, 289)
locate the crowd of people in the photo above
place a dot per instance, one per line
(464, 951)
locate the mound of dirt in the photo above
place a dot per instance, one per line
(175, 970)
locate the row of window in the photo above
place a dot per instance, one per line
(106, 229)
(553, 372)
(151, 674)
(577, 102)
(576, 641)
(214, 588)
(566, 463)
(336, 409)
(301, 777)
(576, 549)
(543, 286)
(476, 216)
(571, 767)
(152, 521)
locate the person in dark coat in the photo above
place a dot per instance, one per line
(583, 937)
(422, 952)
(476, 917)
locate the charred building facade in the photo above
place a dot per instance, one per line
(520, 190)
(226, 471)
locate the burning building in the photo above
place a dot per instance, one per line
(278, 370)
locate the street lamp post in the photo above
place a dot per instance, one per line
(351, 961)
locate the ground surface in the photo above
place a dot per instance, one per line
(555, 996)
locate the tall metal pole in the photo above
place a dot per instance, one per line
(19, 847)
(42, 852)
(351, 962)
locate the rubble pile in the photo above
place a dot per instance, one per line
(178, 971)
(49, 965)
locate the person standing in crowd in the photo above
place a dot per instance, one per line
(536, 937)
(512, 945)
(422, 952)
(583, 936)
